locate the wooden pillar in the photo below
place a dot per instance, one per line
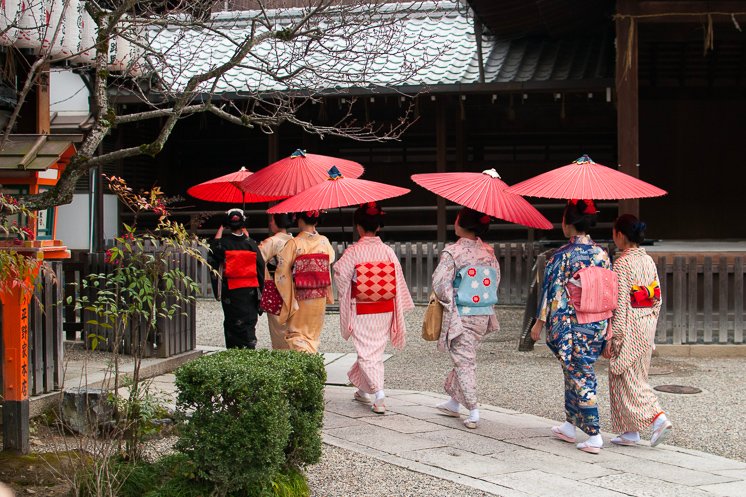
(441, 158)
(628, 129)
(14, 323)
(43, 124)
(273, 146)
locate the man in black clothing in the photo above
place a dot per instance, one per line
(242, 269)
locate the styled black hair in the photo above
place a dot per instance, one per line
(309, 217)
(282, 221)
(369, 216)
(631, 227)
(581, 213)
(235, 219)
(473, 221)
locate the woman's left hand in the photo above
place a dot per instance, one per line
(536, 330)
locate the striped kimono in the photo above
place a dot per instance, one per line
(270, 248)
(634, 405)
(462, 334)
(370, 332)
(304, 318)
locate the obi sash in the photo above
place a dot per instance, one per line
(476, 290)
(240, 269)
(645, 295)
(593, 293)
(311, 276)
(374, 288)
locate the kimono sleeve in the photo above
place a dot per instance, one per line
(284, 281)
(443, 277)
(543, 312)
(344, 270)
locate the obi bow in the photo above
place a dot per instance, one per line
(645, 295)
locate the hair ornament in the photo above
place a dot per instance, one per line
(313, 213)
(639, 227)
(590, 207)
(485, 219)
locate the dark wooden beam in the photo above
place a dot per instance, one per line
(657, 11)
(628, 130)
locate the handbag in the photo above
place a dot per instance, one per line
(433, 320)
(271, 300)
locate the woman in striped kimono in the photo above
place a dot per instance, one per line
(270, 248)
(634, 405)
(465, 282)
(303, 279)
(373, 297)
(577, 346)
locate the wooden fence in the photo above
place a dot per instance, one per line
(703, 300)
(173, 336)
(45, 333)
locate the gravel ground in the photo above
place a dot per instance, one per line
(532, 382)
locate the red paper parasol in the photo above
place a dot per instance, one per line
(297, 173)
(338, 191)
(227, 189)
(586, 179)
(484, 192)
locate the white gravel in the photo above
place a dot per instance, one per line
(712, 421)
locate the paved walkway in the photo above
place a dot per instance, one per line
(513, 454)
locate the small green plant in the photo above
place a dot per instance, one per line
(255, 419)
(143, 284)
(16, 269)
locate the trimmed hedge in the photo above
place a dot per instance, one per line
(255, 416)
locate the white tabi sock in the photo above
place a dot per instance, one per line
(380, 395)
(474, 415)
(568, 429)
(451, 405)
(633, 436)
(659, 421)
(595, 441)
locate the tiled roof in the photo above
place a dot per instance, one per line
(433, 45)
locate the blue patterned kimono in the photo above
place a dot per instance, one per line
(577, 346)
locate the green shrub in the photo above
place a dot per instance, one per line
(240, 424)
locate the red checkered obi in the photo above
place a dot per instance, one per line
(311, 276)
(375, 287)
(240, 269)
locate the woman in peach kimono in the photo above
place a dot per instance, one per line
(303, 279)
(465, 282)
(634, 405)
(270, 248)
(373, 297)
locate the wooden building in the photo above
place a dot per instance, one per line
(542, 85)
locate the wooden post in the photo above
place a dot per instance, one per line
(441, 147)
(273, 146)
(43, 124)
(15, 335)
(628, 132)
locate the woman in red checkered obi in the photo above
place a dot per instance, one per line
(373, 297)
(303, 280)
(465, 282)
(634, 405)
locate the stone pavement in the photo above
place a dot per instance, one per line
(510, 454)
(513, 454)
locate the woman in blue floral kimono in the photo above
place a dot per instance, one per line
(577, 346)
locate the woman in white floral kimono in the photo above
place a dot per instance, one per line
(373, 297)
(466, 282)
(303, 279)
